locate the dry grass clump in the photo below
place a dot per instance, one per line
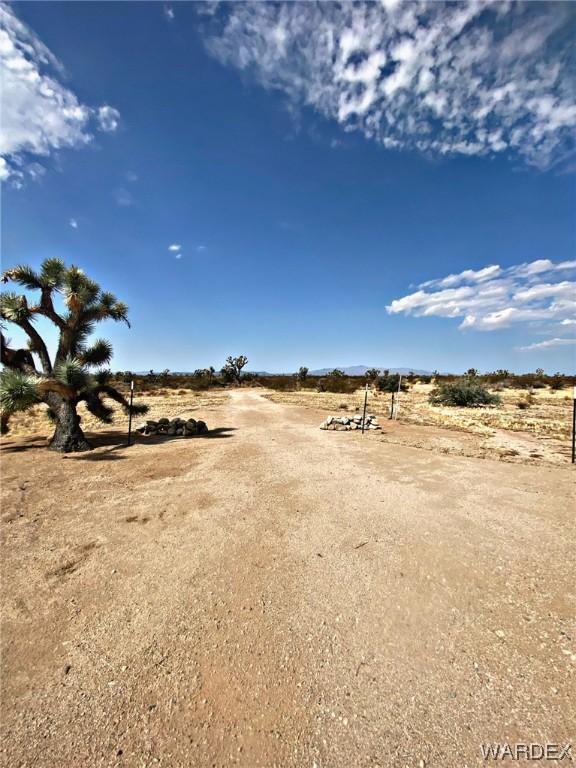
(170, 403)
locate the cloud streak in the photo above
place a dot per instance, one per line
(40, 115)
(549, 344)
(474, 78)
(493, 298)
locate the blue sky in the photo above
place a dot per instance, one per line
(338, 181)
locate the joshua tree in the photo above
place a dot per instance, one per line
(64, 380)
(232, 370)
(302, 374)
(205, 373)
(372, 373)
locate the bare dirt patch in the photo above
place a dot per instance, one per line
(281, 596)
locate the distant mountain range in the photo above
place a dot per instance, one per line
(360, 370)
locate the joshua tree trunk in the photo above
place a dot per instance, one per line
(68, 435)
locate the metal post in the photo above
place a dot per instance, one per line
(392, 406)
(398, 396)
(130, 413)
(365, 401)
(574, 426)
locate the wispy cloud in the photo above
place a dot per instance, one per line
(123, 197)
(175, 247)
(492, 298)
(200, 248)
(73, 223)
(169, 12)
(40, 115)
(473, 78)
(549, 344)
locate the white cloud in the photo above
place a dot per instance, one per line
(568, 321)
(169, 12)
(492, 298)
(175, 247)
(549, 343)
(447, 78)
(200, 248)
(40, 115)
(108, 118)
(73, 223)
(465, 276)
(123, 197)
(178, 256)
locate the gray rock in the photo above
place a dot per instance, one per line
(171, 431)
(164, 421)
(201, 427)
(329, 420)
(151, 423)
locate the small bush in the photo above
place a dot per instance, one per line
(343, 385)
(463, 393)
(523, 404)
(389, 383)
(343, 406)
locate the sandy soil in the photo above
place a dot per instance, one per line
(274, 595)
(539, 434)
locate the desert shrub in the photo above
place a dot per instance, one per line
(523, 404)
(466, 393)
(343, 385)
(279, 383)
(343, 406)
(557, 382)
(425, 379)
(389, 383)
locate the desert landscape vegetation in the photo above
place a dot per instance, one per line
(236, 528)
(264, 592)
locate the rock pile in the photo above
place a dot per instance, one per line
(347, 423)
(176, 427)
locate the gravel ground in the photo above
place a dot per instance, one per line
(275, 595)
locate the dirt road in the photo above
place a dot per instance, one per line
(275, 595)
